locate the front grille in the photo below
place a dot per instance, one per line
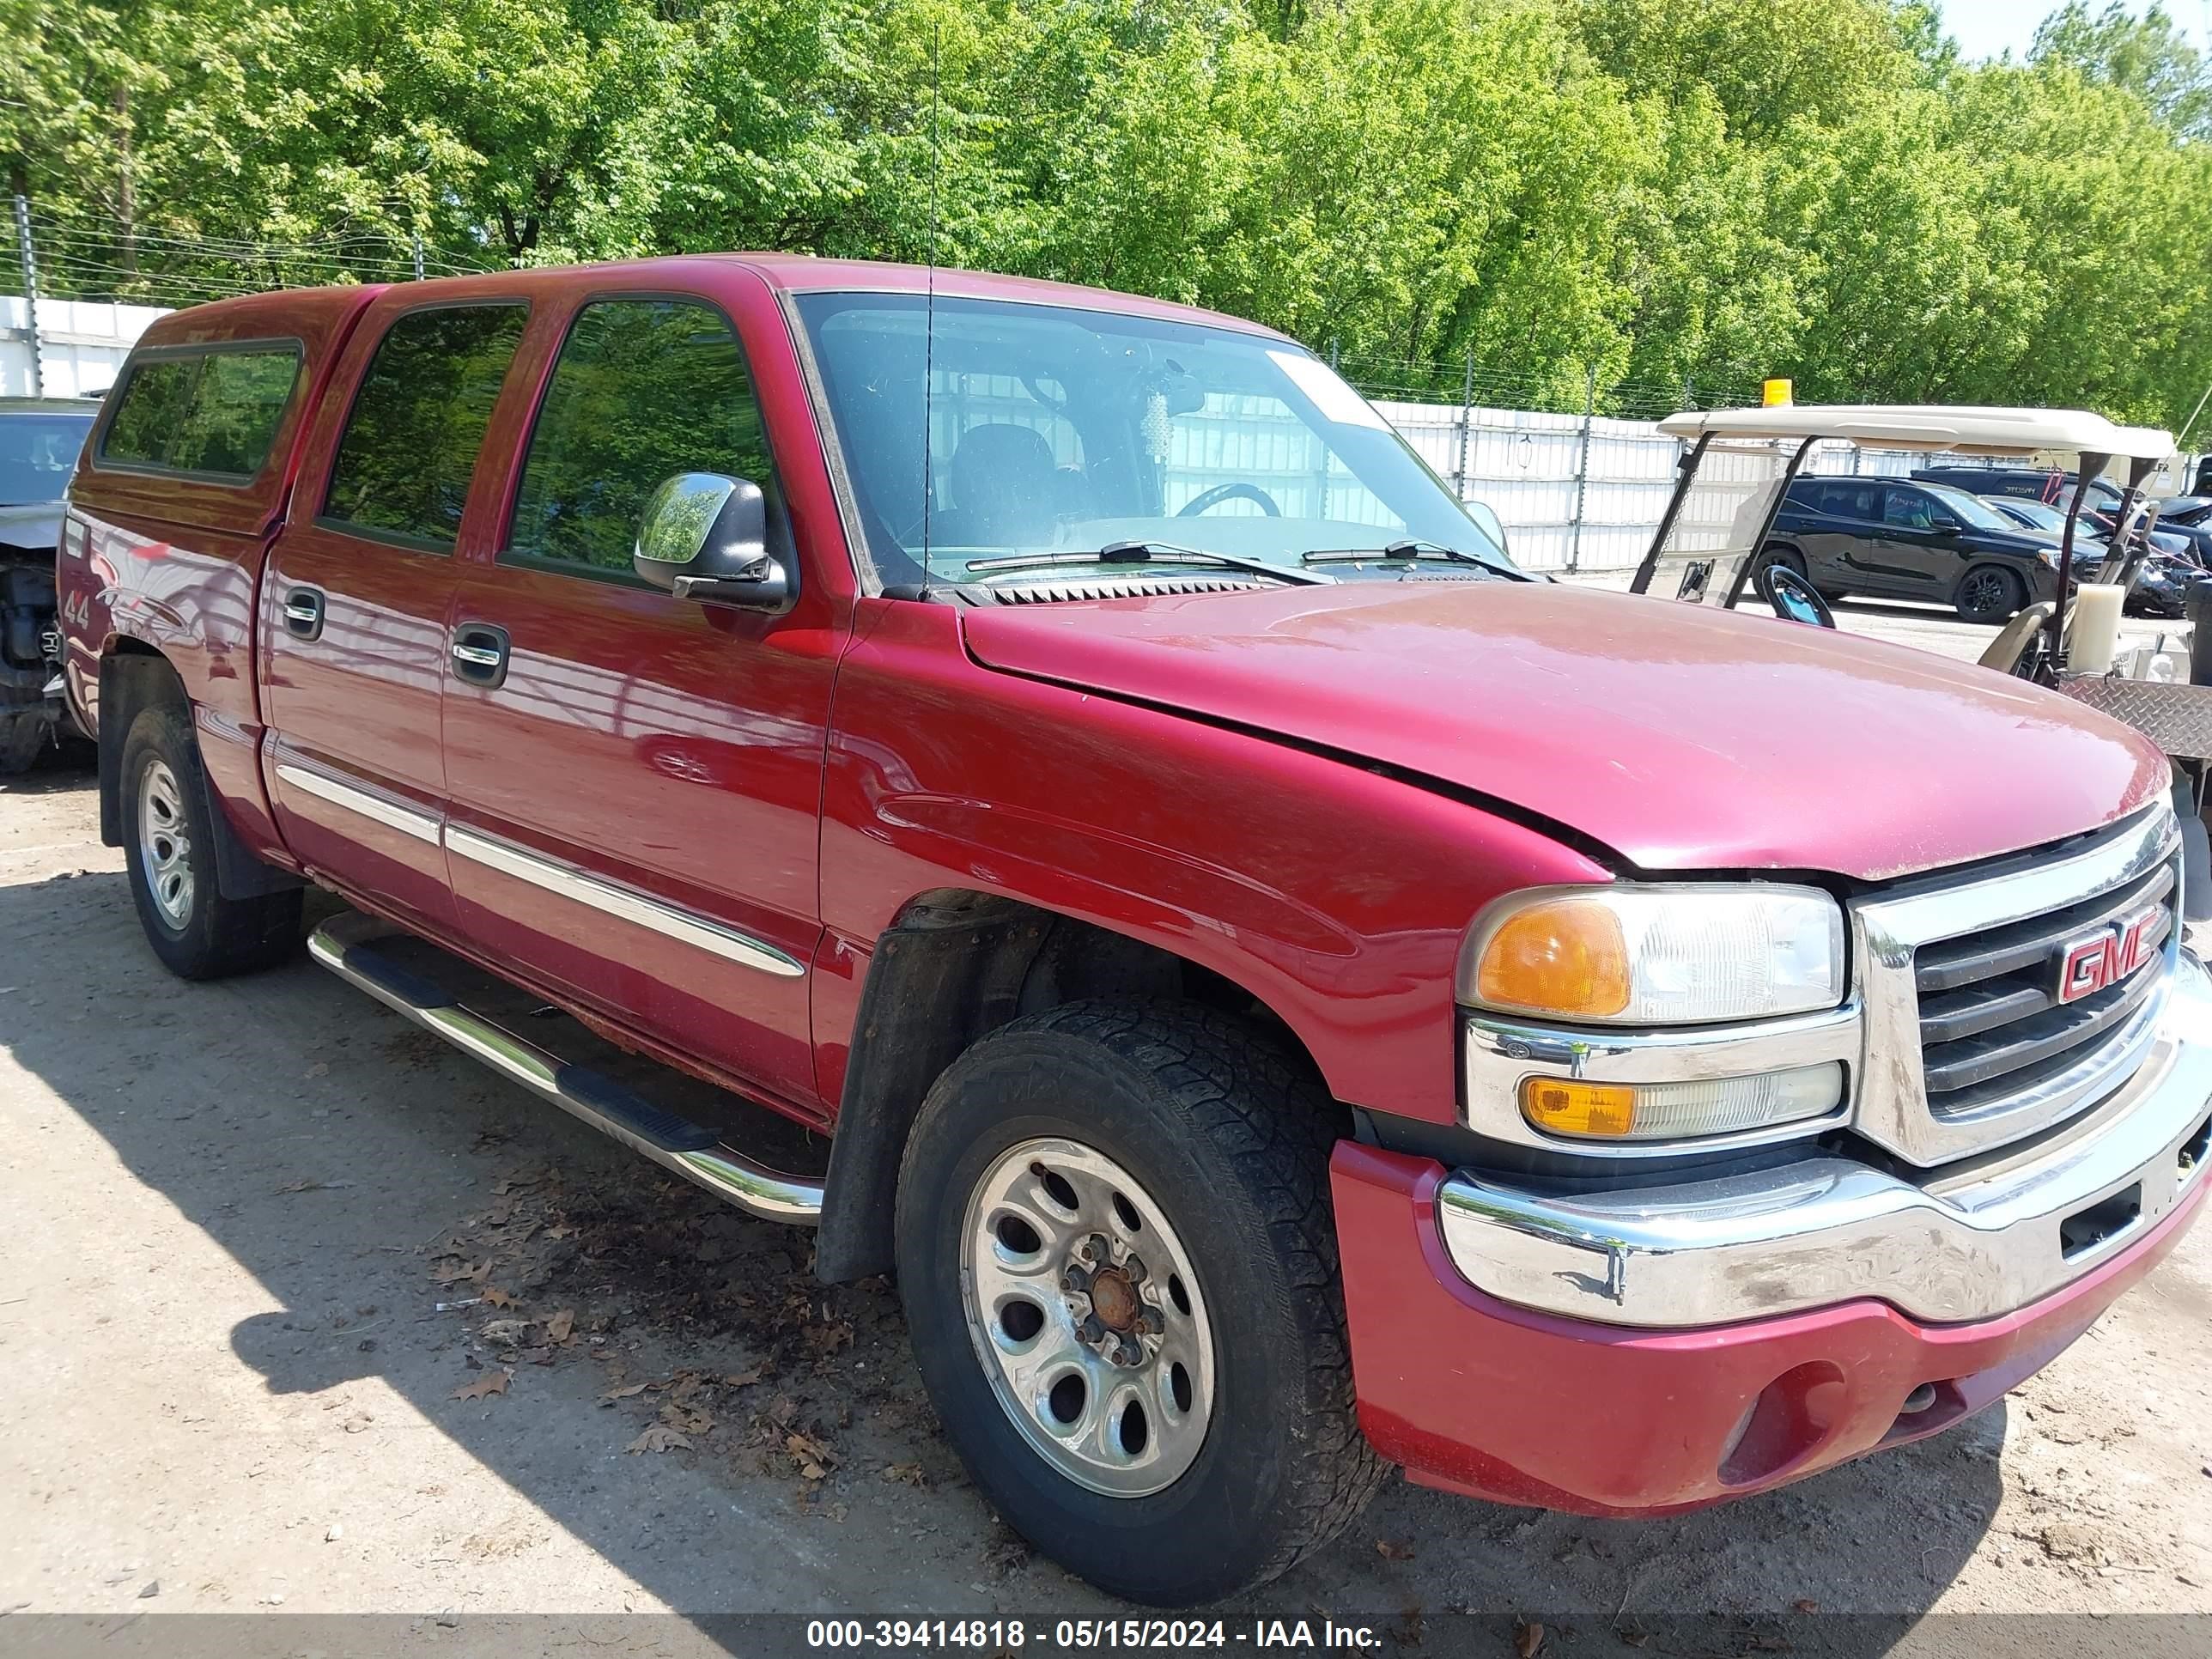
(1992, 1027)
(1959, 970)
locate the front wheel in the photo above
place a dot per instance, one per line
(1987, 594)
(197, 932)
(1119, 1266)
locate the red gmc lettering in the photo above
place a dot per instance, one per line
(2095, 963)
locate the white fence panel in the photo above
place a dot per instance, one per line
(81, 344)
(1571, 503)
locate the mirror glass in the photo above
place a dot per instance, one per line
(679, 515)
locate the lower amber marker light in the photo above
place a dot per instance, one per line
(1605, 1110)
(1684, 1110)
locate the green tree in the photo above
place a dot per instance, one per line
(2148, 56)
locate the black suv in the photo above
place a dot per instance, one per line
(2029, 483)
(1900, 539)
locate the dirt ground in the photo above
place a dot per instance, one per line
(302, 1311)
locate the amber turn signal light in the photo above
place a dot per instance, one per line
(1602, 1111)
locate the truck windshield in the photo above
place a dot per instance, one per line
(38, 452)
(1053, 429)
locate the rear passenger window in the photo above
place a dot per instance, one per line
(643, 389)
(214, 413)
(1852, 501)
(410, 441)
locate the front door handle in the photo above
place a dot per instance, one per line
(479, 653)
(303, 612)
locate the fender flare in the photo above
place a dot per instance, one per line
(130, 682)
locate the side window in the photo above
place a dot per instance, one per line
(209, 412)
(1907, 509)
(643, 389)
(1848, 500)
(411, 441)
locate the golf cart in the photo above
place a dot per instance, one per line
(1711, 543)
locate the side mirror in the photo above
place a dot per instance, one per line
(705, 536)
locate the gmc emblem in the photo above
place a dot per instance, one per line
(2104, 958)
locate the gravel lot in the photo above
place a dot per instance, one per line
(229, 1215)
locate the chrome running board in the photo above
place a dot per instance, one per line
(344, 944)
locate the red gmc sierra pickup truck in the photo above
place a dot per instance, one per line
(1290, 992)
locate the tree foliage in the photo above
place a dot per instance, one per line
(1657, 193)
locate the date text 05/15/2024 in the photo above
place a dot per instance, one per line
(997, 1635)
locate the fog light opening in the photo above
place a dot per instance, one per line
(1789, 1421)
(1918, 1401)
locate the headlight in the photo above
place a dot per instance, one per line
(1672, 954)
(2047, 557)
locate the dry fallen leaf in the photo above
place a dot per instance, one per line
(629, 1392)
(495, 1297)
(558, 1326)
(1390, 1552)
(659, 1438)
(1806, 1604)
(743, 1379)
(1527, 1636)
(505, 1331)
(684, 1420)
(490, 1383)
(909, 1475)
(462, 1273)
(814, 1459)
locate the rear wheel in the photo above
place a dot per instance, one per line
(196, 931)
(1989, 594)
(23, 739)
(1119, 1267)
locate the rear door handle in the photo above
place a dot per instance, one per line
(303, 612)
(479, 653)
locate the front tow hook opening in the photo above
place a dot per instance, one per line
(2101, 1222)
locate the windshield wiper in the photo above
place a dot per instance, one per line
(1145, 552)
(1411, 549)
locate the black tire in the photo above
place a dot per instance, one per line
(1988, 593)
(209, 935)
(22, 740)
(1230, 1144)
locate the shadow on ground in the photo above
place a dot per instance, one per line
(351, 1163)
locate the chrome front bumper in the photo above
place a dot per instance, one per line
(1972, 1242)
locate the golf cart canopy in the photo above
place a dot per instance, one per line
(1965, 429)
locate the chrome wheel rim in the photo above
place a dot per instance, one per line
(1087, 1317)
(165, 847)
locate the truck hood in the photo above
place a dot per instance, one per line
(30, 526)
(1680, 737)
